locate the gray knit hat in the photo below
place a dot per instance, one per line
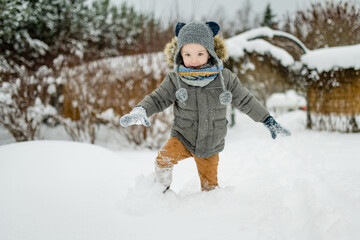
(203, 34)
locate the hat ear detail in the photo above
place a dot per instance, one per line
(215, 28)
(179, 25)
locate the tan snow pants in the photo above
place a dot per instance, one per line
(174, 151)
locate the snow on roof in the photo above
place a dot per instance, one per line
(326, 59)
(237, 48)
(247, 41)
(270, 33)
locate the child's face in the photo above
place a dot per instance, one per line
(194, 55)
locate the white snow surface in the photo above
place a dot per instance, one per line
(306, 186)
(334, 58)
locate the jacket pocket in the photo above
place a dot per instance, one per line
(184, 122)
(220, 130)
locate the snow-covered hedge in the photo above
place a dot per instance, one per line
(83, 97)
(25, 103)
(102, 91)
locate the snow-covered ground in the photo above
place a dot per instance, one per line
(302, 187)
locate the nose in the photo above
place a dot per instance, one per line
(194, 61)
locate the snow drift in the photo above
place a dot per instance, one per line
(306, 186)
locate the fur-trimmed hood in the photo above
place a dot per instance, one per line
(204, 34)
(219, 47)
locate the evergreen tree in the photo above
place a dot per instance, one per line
(34, 33)
(62, 24)
(269, 18)
(16, 41)
(151, 35)
(128, 28)
(103, 40)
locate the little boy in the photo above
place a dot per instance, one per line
(200, 90)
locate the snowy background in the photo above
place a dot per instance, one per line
(187, 9)
(306, 186)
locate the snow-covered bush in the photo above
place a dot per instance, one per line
(280, 103)
(153, 137)
(326, 24)
(102, 91)
(25, 103)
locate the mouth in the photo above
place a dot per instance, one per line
(195, 67)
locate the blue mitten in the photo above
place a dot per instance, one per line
(136, 116)
(275, 128)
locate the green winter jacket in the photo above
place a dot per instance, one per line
(200, 123)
